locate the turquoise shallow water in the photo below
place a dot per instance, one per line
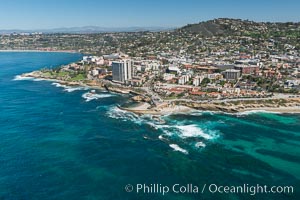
(58, 143)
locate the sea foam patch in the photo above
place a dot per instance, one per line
(200, 144)
(254, 112)
(117, 113)
(178, 148)
(197, 136)
(39, 79)
(22, 78)
(91, 96)
(193, 131)
(70, 88)
(170, 131)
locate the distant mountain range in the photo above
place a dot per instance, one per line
(88, 29)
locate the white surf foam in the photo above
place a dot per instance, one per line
(166, 129)
(38, 79)
(21, 78)
(164, 138)
(185, 131)
(200, 144)
(196, 113)
(70, 88)
(193, 130)
(117, 113)
(57, 84)
(178, 148)
(201, 112)
(254, 112)
(89, 96)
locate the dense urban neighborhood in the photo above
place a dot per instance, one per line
(218, 60)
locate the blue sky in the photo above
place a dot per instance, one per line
(40, 14)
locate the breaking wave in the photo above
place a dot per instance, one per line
(188, 131)
(171, 132)
(21, 78)
(193, 131)
(70, 88)
(117, 113)
(255, 112)
(90, 96)
(178, 148)
(200, 144)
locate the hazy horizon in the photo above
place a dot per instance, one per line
(36, 15)
(127, 27)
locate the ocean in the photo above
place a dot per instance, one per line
(58, 142)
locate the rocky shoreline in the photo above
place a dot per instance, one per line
(91, 84)
(293, 107)
(290, 105)
(274, 105)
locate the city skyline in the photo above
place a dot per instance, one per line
(57, 14)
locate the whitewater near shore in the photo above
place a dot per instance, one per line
(158, 117)
(281, 105)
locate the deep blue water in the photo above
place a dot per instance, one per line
(57, 144)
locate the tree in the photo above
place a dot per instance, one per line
(205, 81)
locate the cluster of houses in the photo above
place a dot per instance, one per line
(215, 78)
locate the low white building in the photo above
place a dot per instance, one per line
(95, 72)
(98, 60)
(173, 68)
(168, 76)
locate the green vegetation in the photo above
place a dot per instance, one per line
(78, 77)
(193, 39)
(59, 74)
(62, 73)
(205, 81)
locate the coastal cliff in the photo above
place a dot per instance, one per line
(276, 105)
(233, 106)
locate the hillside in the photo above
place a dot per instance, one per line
(227, 26)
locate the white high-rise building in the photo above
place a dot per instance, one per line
(122, 70)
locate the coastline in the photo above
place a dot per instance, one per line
(290, 106)
(185, 109)
(91, 84)
(54, 133)
(172, 109)
(291, 110)
(274, 105)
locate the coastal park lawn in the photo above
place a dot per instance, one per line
(78, 77)
(65, 75)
